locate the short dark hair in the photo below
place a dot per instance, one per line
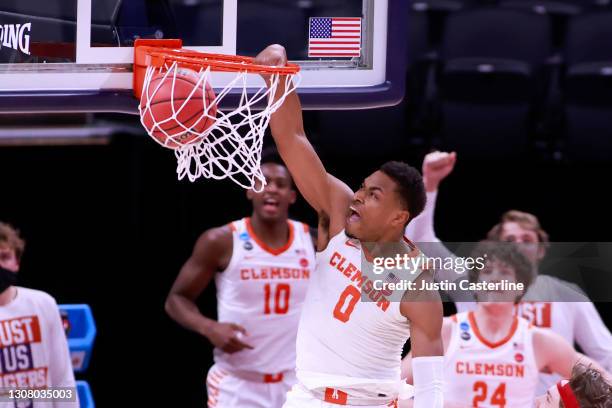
(507, 253)
(270, 155)
(410, 186)
(590, 387)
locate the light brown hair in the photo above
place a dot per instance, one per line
(525, 220)
(10, 237)
(506, 253)
(590, 388)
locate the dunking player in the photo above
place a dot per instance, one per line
(34, 347)
(349, 351)
(492, 358)
(261, 267)
(576, 321)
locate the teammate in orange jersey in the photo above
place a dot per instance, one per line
(261, 266)
(587, 388)
(349, 351)
(492, 358)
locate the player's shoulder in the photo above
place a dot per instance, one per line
(36, 296)
(561, 289)
(546, 339)
(219, 233)
(217, 240)
(448, 322)
(447, 330)
(301, 226)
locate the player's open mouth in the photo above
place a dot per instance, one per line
(353, 215)
(270, 204)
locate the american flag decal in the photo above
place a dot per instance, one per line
(391, 278)
(334, 37)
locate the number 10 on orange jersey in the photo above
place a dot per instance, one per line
(280, 303)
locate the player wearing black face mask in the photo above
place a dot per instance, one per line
(8, 278)
(32, 329)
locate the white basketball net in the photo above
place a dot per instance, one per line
(231, 147)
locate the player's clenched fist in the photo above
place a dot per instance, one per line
(273, 55)
(436, 166)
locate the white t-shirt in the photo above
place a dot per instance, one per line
(33, 348)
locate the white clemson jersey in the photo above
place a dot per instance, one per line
(348, 329)
(263, 290)
(478, 373)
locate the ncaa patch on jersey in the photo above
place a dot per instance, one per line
(244, 236)
(464, 326)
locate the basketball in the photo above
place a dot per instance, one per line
(175, 117)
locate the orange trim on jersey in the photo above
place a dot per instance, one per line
(306, 227)
(232, 227)
(487, 342)
(454, 318)
(263, 245)
(349, 243)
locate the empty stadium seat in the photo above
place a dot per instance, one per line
(588, 87)
(492, 59)
(553, 7)
(420, 69)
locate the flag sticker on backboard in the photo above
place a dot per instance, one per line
(334, 37)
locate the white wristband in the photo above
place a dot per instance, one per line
(428, 374)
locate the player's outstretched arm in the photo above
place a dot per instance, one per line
(436, 167)
(211, 253)
(324, 193)
(554, 354)
(424, 310)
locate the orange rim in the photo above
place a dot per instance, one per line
(216, 62)
(158, 53)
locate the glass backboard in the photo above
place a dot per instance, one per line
(76, 55)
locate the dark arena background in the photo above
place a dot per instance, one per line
(108, 224)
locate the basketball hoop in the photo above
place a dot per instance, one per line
(178, 108)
